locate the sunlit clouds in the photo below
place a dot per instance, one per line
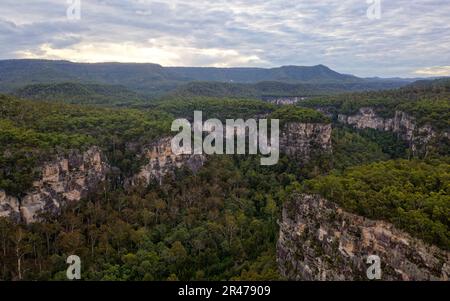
(408, 40)
(434, 71)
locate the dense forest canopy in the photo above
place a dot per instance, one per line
(350, 148)
(291, 113)
(219, 223)
(214, 107)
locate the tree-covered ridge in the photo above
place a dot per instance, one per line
(353, 146)
(266, 89)
(184, 107)
(291, 113)
(428, 102)
(78, 93)
(100, 123)
(34, 132)
(414, 195)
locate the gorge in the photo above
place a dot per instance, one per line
(70, 178)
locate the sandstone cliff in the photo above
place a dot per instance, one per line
(320, 241)
(298, 140)
(66, 179)
(402, 124)
(302, 140)
(70, 178)
(162, 162)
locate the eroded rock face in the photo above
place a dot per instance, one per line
(320, 241)
(162, 161)
(64, 180)
(9, 206)
(301, 140)
(402, 124)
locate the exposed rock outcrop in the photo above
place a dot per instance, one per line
(402, 124)
(320, 241)
(302, 140)
(162, 161)
(9, 206)
(66, 179)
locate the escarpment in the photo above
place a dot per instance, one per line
(70, 178)
(402, 124)
(320, 241)
(66, 179)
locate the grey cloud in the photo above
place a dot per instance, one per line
(410, 35)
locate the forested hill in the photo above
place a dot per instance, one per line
(156, 80)
(265, 89)
(78, 93)
(319, 73)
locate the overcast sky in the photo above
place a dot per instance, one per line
(411, 38)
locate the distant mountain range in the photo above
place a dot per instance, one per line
(38, 78)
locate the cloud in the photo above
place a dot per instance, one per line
(409, 35)
(434, 71)
(137, 53)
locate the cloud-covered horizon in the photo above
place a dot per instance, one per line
(412, 37)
